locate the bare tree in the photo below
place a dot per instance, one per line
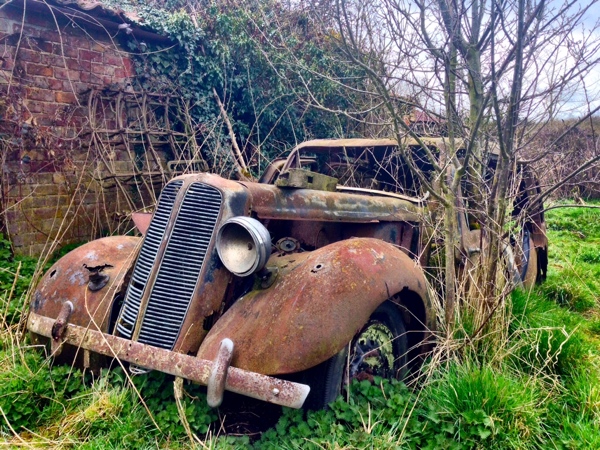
(495, 73)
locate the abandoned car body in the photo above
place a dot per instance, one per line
(237, 284)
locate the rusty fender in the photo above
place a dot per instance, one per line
(317, 302)
(89, 277)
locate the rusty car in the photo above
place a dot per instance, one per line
(300, 282)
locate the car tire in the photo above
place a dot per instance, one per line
(378, 349)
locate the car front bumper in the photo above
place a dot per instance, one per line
(217, 375)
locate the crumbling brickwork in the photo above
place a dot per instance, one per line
(48, 67)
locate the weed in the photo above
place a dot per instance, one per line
(31, 393)
(15, 278)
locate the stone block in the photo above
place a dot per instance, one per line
(50, 212)
(42, 178)
(58, 178)
(45, 189)
(56, 200)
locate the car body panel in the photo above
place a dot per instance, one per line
(316, 303)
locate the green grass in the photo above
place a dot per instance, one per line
(535, 385)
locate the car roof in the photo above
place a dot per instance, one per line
(440, 143)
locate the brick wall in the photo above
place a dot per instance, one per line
(49, 190)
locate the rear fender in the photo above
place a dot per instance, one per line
(317, 302)
(69, 280)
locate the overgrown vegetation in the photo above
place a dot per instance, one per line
(537, 386)
(218, 59)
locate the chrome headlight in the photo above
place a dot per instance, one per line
(244, 245)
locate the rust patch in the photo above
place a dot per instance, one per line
(253, 385)
(141, 221)
(68, 279)
(314, 307)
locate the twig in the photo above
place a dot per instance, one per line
(240, 163)
(572, 206)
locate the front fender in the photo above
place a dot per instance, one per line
(69, 279)
(315, 306)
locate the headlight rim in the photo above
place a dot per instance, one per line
(261, 239)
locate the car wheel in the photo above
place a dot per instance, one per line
(378, 349)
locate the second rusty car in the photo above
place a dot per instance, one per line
(314, 274)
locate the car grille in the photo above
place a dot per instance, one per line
(179, 269)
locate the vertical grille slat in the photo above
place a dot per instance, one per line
(147, 256)
(180, 267)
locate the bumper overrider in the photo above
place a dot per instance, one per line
(217, 375)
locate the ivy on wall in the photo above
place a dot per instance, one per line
(220, 51)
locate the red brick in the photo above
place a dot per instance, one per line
(29, 55)
(65, 74)
(100, 69)
(66, 97)
(40, 94)
(113, 60)
(7, 64)
(76, 64)
(65, 50)
(37, 69)
(90, 78)
(34, 106)
(53, 60)
(77, 87)
(42, 82)
(5, 25)
(89, 55)
(55, 85)
(50, 108)
(129, 67)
